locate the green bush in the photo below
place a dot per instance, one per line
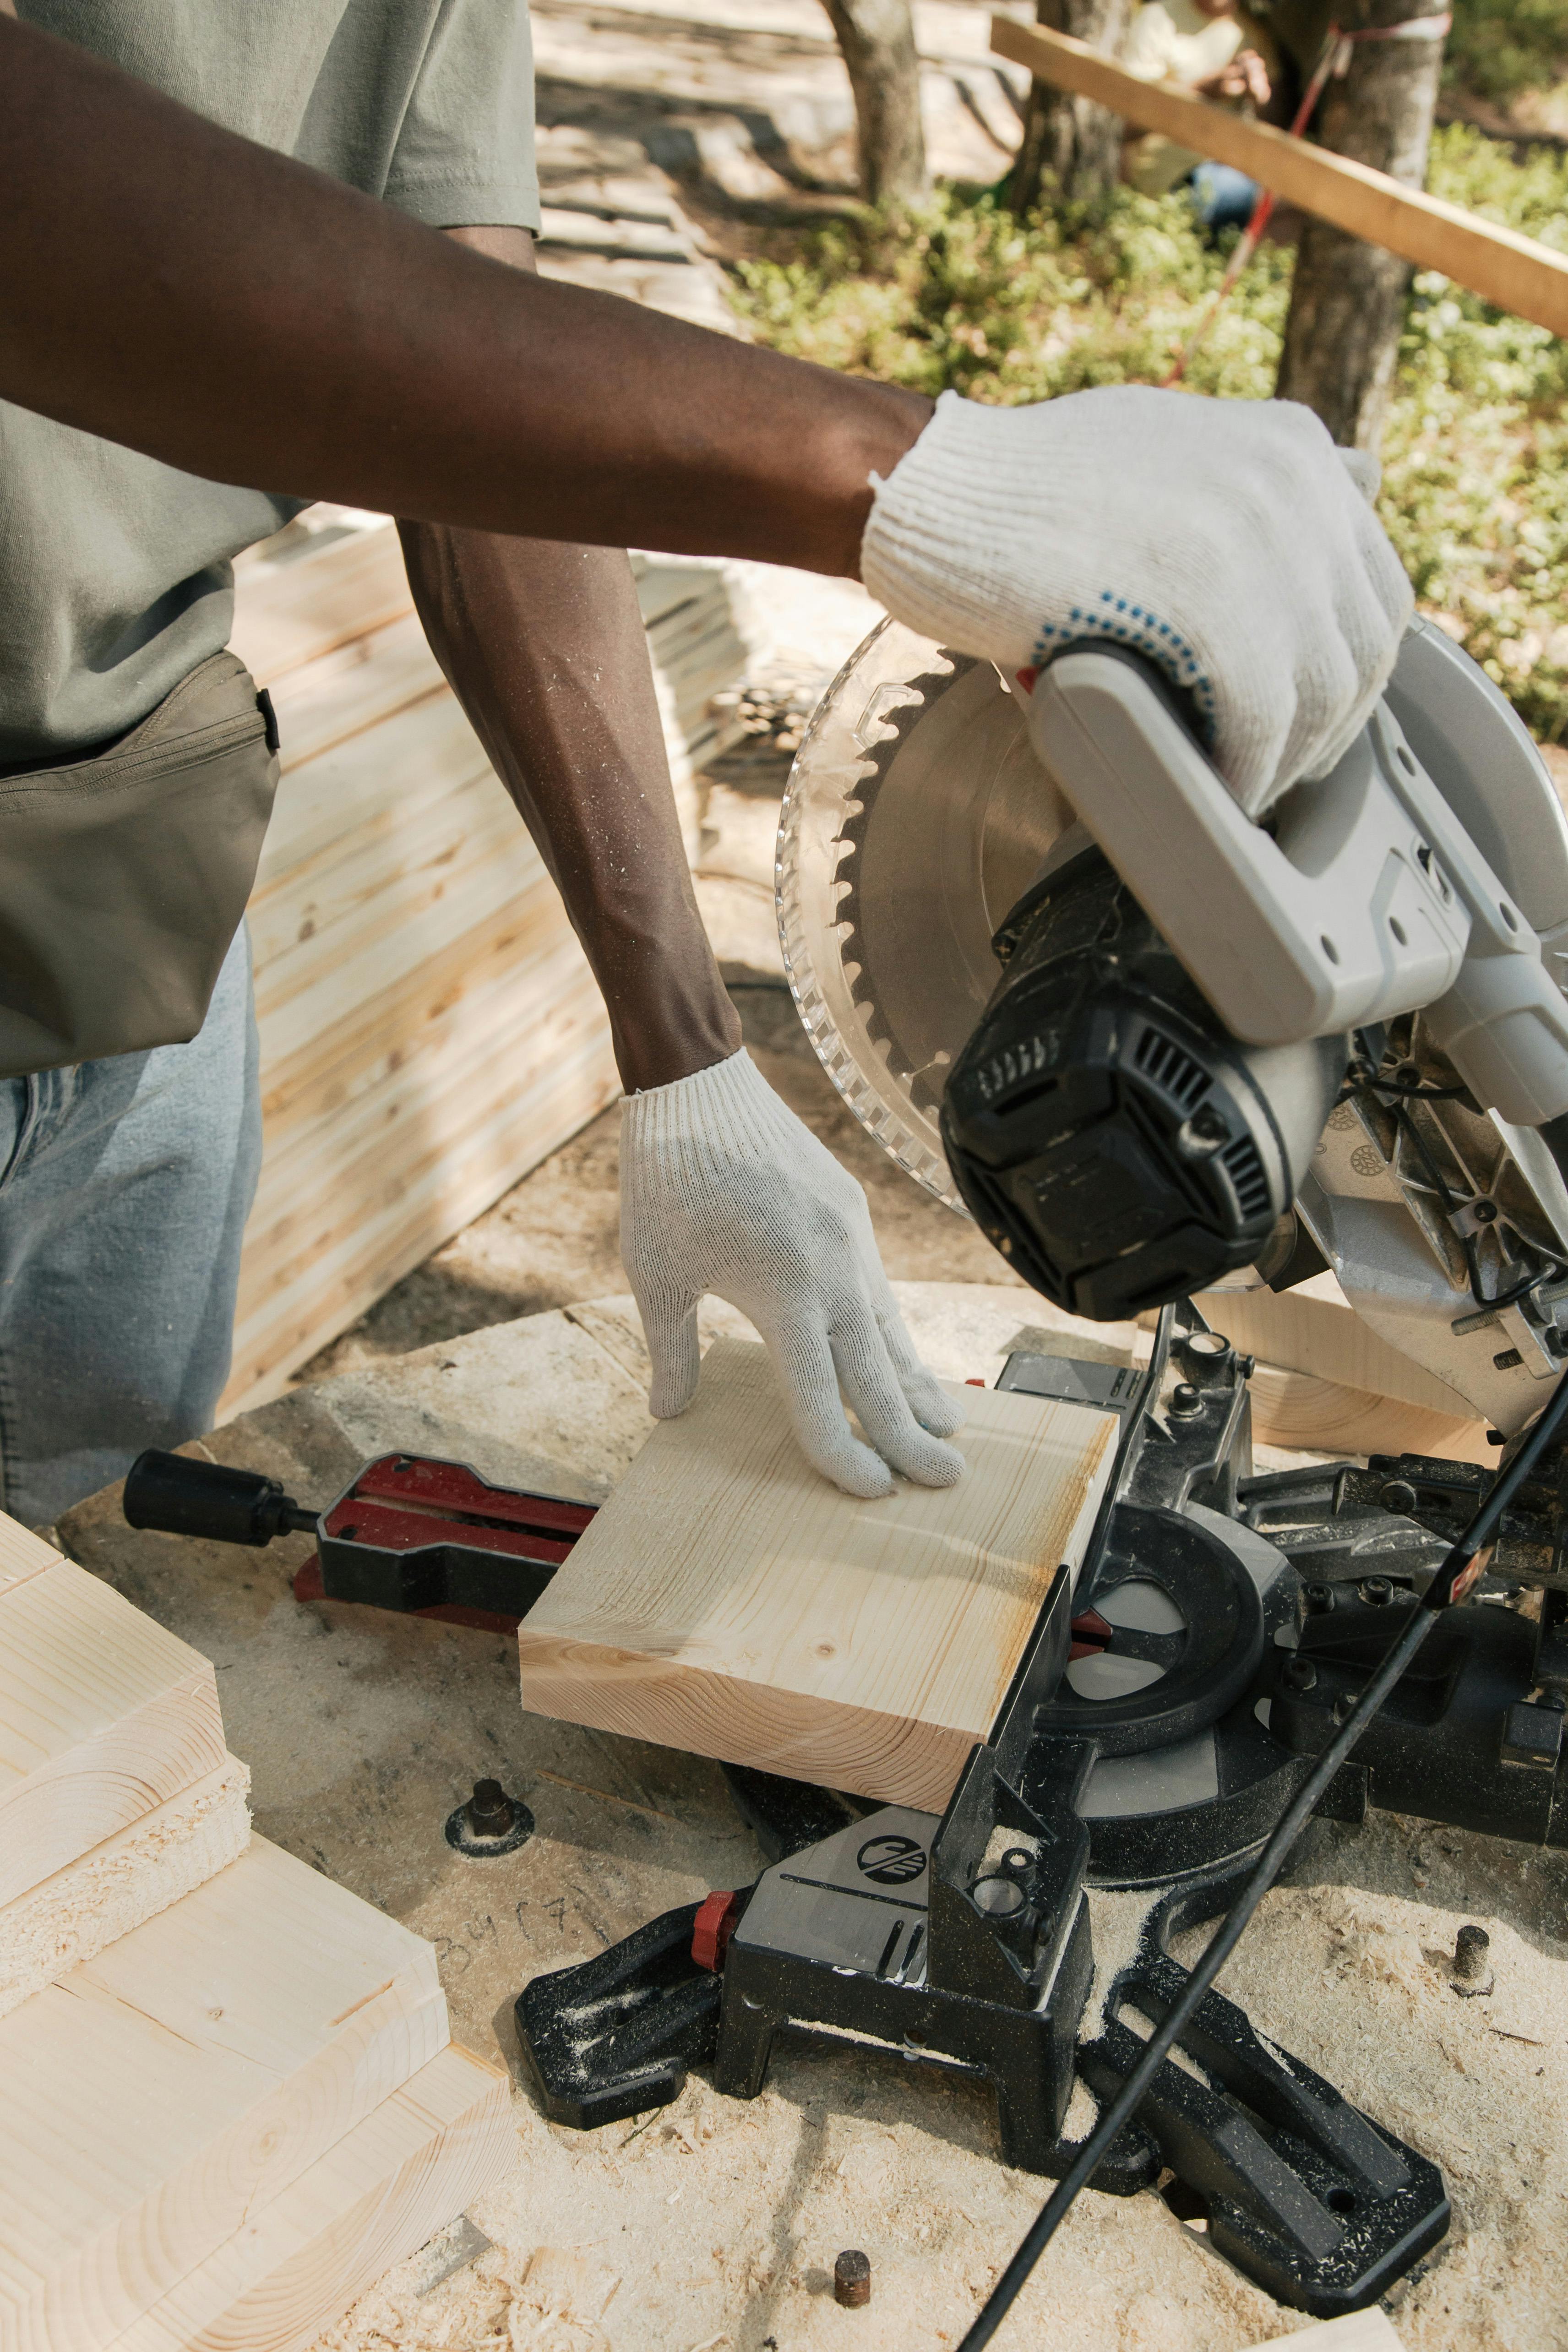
(1475, 455)
(1499, 48)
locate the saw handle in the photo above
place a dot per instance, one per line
(179, 1496)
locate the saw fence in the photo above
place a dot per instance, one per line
(431, 1029)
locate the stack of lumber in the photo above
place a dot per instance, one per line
(728, 1600)
(228, 2100)
(429, 1027)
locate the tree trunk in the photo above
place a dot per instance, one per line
(878, 41)
(1077, 143)
(1347, 302)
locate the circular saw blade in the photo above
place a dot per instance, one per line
(916, 816)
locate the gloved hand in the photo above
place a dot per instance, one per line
(723, 1190)
(1225, 539)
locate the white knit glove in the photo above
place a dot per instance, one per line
(723, 1190)
(1225, 539)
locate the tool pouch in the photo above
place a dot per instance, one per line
(123, 878)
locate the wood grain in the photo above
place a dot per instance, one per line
(153, 2101)
(294, 2266)
(728, 1600)
(1328, 1383)
(1314, 1329)
(71, 1915)
(1515, 272)
(22, 1553)
(103, 1715)
(1315, 1417)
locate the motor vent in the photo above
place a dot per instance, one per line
(1165, 1064)
(1243, 1163)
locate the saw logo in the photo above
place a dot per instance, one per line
(892, 1860)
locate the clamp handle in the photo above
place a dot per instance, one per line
(180, 1497)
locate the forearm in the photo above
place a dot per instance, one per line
(170, 286)
(545, 649)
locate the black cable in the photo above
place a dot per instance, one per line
(1450, 1584)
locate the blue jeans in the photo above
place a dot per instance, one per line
(1224, 197)
(124, 1188)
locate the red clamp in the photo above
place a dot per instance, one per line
(713, 1928)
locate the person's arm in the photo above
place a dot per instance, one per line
(170, 286)
(176, 288)
(544, 646)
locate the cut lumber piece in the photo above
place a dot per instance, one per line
(1313, 1416)
(1314, 1329)
(103, 1716)
(1515, 272)
(1328, 1383)
(153, 2101)
(728, 1600)
(297, 2264)
(102, 1895)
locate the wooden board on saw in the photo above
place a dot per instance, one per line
(296, 2263)
(156, 2099)
(429, 1027)
(1327, 1383)
(728, 1600)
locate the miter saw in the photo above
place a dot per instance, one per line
(1151, 1046)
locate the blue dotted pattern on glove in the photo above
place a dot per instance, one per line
(1134, 626)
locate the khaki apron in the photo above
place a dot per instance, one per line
(124, 878)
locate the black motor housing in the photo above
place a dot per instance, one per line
(1108, 1134)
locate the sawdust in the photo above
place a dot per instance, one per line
(721, 2219)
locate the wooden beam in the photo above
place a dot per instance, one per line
(728, 1600)
(78, 1911)
(1515, 272)
(154, 2099)
(303, 2259)
(103, 1716)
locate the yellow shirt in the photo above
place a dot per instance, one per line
(1174, 40)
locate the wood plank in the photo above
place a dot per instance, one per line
(1314, 1329)
(324, 702)
(151, 1862)
(1315, 1417)
(156, 2097)
(297, 2265)
(103, 1715)
(292, 609)
(728, 1600)
(525, 945)
(349, 1248)
(22, 1553)
(1515, 272)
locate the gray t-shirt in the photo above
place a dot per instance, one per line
(115, 576)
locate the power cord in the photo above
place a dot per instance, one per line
(1449, 1585)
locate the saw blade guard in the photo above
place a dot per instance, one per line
(916, 816)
